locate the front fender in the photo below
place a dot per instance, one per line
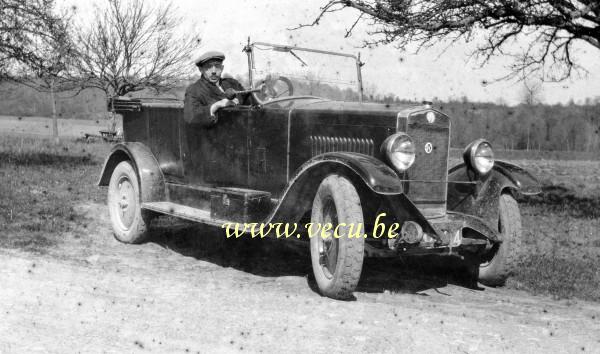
(525, 182)
(365, 170)
(468, 195)
(378, 176)
(152, 186)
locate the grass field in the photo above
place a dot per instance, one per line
(42, 126)
(41, 182)
(515, 155)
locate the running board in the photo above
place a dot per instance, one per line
(223, 203)
(184, 212)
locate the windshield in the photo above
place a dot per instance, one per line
(294, 71)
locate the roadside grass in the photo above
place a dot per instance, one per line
(24, 150)
(561, 231)
(562, 278)
(561, 247)
(40, 183)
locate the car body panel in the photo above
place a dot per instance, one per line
(150, 175)
(480, 197)
(278, 152)
(263, 147)
(525, 182)
(212, 160)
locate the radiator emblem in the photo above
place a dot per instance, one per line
(430, 117)
(428, 148)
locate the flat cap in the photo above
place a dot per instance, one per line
(212, 55)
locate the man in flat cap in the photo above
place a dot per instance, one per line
(207, 95)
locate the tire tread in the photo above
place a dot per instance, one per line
(504, 264)
(343, 286)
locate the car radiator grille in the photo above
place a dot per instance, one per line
(429, 173)
(323, 144)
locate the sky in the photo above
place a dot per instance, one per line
(431, 74)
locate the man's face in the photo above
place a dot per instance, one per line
(212, 70)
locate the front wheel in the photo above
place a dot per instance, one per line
(336, 259)
(128, 220)
(502, 259)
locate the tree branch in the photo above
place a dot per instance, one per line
(426, 22)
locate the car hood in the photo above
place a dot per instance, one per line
(320, 104)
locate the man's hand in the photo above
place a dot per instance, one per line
(221, 104)
(230, 93)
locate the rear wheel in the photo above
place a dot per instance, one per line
(502, 260)
(129, 221)
(337, 260)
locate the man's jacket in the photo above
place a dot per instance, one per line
(200, 95)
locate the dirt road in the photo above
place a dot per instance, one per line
(186, 291)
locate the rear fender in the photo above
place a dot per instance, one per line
(152, 186)
(481, 197)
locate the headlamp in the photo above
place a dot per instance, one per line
(399, 151)
(479, 156)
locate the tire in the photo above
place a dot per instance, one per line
(128, 221)
(503, 259)
(337, 262)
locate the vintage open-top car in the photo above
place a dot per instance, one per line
(284, 158)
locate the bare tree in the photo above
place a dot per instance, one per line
(56, 77)
(532, 91)
(131, 46)
(28, 31)
(550, 27)
(35, 47)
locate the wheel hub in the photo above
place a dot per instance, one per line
(126, 202)
(328, 247)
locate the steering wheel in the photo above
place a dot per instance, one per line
(276, 87)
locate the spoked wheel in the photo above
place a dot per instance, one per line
(129, 222)
(502, 259)
(337, 259)
(328, 247)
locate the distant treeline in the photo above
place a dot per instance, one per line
(526, 127)
(523, 127)
(20, 100)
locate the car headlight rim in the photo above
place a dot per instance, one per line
(399, 150)
(479, 156)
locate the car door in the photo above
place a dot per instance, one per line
(267, 149)
(218, 155)
(164, 136)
